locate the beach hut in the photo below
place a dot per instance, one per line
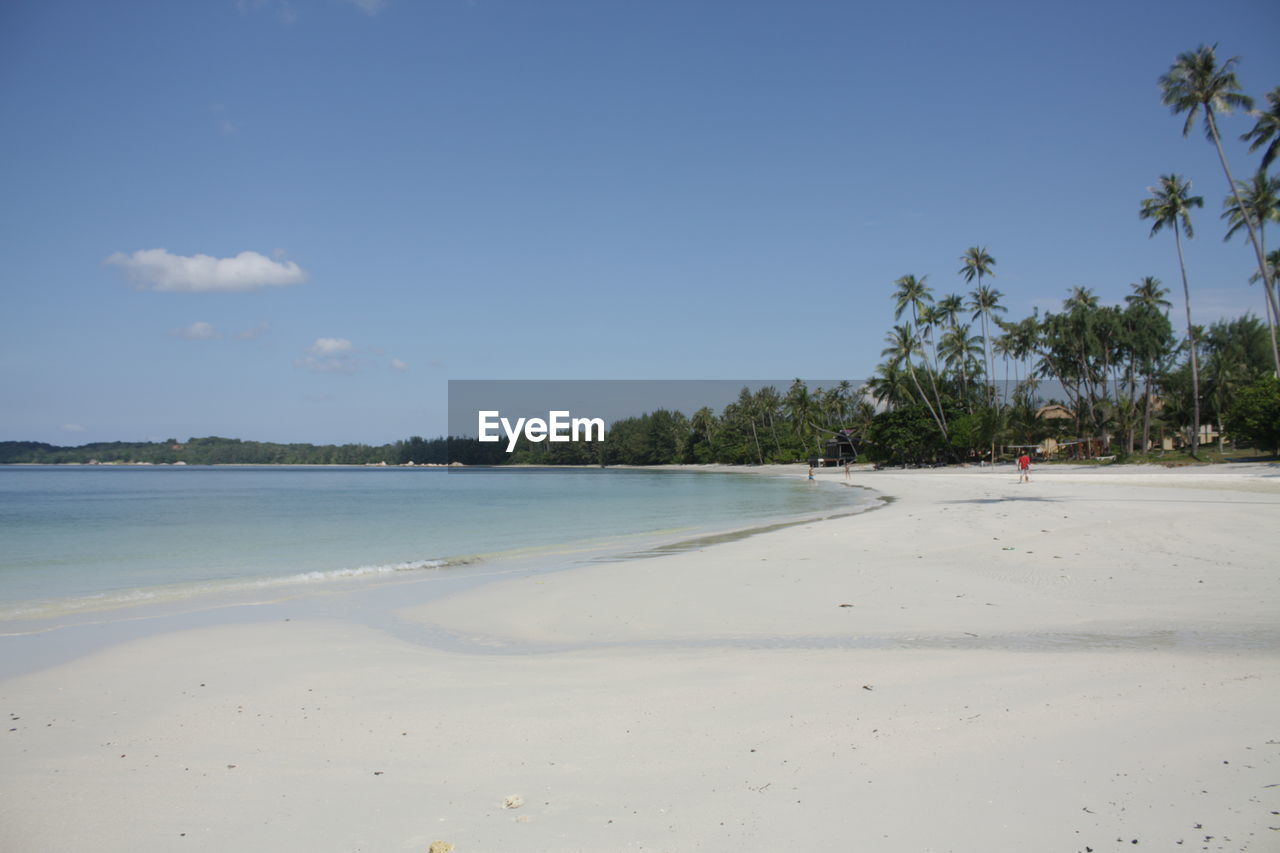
(837, 450)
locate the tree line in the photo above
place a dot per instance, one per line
(1120, 369)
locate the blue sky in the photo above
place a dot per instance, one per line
(390, 194)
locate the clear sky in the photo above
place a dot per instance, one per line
(294, 220)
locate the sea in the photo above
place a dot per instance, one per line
(98, 540)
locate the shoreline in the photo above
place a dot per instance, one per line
(807, 688)
(102, 619)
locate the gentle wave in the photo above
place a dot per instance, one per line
(51, 608)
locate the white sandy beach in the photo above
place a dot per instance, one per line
(1088, 661)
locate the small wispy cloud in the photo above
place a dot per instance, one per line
(331, 355)
(340, 355)
(197, 331)
(369, 7)
(331, 346)
(160, 270)
(73, 427)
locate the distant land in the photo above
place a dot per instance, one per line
(214, 450)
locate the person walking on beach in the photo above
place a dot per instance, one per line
(1024, 469)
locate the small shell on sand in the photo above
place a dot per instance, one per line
(440, 847)
(514, 801)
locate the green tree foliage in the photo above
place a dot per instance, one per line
(907, 436)
(1254, 415)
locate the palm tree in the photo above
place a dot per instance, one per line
(1150, 292)
(1170, 205)
(962, 352)
(975, 263)
(949, 309)
(1080, 297)
(912, 293)
(1196, 81)
(1257, 200)
(984, 302)
(903, 345)
(890, 385)
(1267, 129)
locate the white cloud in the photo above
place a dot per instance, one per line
(73, 427)
(369, 7)
(330, 346)
(157, 269)
(331, 355)
(397, 364)
(198, 331)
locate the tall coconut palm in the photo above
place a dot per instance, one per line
(1266, 129)
(1196, 81)
(912, 293)
(1149, 294)
(985, 302)
(975, 263)
(962, 352)
(1170, 205)
(1257, 200)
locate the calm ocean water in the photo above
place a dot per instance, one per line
(74, 539)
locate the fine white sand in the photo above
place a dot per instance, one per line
(1091, 660)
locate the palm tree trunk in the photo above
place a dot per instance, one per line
(1273, 312)
(1254, 237)
(1191, 341)
(932, 370)
(941, 424)
(1146, 415)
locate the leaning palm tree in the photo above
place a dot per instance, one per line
(904, 343)
(913, 293)
(1196, 81)
(1266, 129)
(1170, 205)
(1257, 200)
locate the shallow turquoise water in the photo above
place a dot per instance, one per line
(74, 538)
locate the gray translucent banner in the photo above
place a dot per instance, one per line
(607, 399)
